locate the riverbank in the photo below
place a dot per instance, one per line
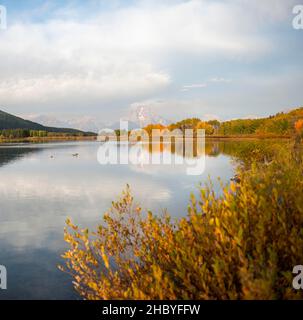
(212, 137)
(247, 137)
(94, 138)
(48, 139)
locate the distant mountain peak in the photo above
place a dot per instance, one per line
(143, 115)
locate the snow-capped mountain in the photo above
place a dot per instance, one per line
(139, 117)
(143, 115)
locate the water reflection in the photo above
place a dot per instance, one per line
(41, 185)
(8, 155)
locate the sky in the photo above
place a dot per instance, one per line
(194, 58)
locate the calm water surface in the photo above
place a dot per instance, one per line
(43, 184)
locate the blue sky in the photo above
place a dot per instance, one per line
(102, 58)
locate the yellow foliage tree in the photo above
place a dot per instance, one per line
(209, 129)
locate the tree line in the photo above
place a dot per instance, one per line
(26, 133)
(281, 124)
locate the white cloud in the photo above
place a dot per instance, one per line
(193, 86)
(114, 55)
(99, 61)
(217, 79)
(204, 85)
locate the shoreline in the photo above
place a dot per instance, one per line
(234, 138)
(247, 137)
(95, 138)
(48, 139)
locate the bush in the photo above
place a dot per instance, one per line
(242, 244)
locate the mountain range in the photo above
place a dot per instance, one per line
(138, 117)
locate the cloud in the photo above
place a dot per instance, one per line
(267, 11)
(98, 58)
(224, 80)
(119, 54)
(66, 63)
(81, 88)
(205, 84)
(193, 86)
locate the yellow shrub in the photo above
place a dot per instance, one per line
(240, 245)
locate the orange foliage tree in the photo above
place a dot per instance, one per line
(299, 126)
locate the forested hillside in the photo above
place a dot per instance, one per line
(16, 127)
(280, 124)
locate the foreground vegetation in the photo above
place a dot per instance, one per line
(241, 244)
